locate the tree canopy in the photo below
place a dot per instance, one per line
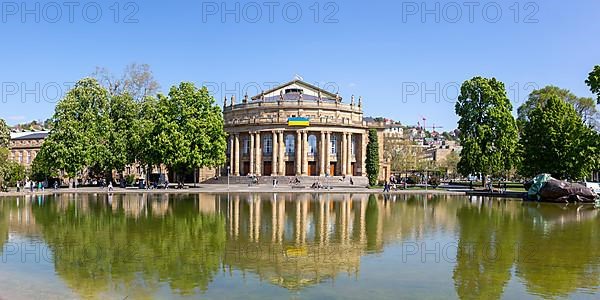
(555, 140)
(593, 81)
(102, 132)
(4, 134)
(188, 131)
(81, 130)
(585, 107)
(488, 131)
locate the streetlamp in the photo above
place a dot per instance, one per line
(228, 172)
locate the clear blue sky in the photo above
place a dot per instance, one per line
(380, 50)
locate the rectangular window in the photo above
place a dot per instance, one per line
(333, 145)
(246, 146)
(267, 144)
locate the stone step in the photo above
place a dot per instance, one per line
(304, 180)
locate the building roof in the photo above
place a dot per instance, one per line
(20, 136)
(326, 94)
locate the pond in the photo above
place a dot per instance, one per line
(301, 246)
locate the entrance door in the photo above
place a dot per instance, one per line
(290, 169)
(267, 168)
(245, 168)
(312, 168)
(332, 169)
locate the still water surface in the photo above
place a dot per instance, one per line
(257, 246)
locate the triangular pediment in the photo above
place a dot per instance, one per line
(293, 87)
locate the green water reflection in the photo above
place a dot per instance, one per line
(294, 245)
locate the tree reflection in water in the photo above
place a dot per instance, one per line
(138, 245)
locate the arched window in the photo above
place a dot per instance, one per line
(290, 144)
(333, 145)
(312, 144)
(268, 144)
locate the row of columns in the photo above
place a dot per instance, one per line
(329, 219)
(301, 153)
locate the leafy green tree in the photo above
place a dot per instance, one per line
(4, 164)
(123, 112)
(450, 163)
(555, 140)
(142, 139)
(488, 131)
(4, 134)
(15, 172)
(585, 107)
(403, 154)
(188, 131)
(81, 132)
(593, 81)
(372, 162)
(42, 168)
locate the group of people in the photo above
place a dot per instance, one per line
(317, 185)
(33, 186)
(393, 182)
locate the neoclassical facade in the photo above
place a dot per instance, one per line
(295, 129)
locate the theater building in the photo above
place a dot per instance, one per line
(295, 129)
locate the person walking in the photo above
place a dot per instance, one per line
(110, 186)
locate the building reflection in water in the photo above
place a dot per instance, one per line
(300, 240)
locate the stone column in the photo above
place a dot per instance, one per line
(322, 154)
(231, 153)
(343, 154)
(327, 153)
(298, 147)
(274, 156)
(252, 161)
(258, 159)
(349, 151)
(236, 169)
(305, 153)
(281, 154)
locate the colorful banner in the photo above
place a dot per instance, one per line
(298, 121)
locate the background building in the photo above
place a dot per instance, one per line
(24, 146)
